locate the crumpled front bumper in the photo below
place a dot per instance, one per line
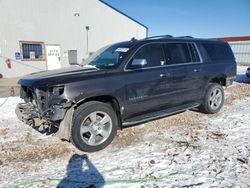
(26, 112)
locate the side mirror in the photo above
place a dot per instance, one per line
(137, 63)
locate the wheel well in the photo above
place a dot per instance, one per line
(106, 99)
(221, 81)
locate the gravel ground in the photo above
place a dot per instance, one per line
(190, 149)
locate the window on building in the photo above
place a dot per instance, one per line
(32, 50)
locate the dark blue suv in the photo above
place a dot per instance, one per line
(128, 83)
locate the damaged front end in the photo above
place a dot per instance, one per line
(42, 106)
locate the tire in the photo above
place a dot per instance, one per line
(94, 126)
(213, 100)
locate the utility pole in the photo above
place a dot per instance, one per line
(87, 35)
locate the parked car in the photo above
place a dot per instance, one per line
(126, 84)
(248, 72)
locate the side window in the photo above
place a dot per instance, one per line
(218, 51)
(193, 52)
(177, 53)
(150, 55)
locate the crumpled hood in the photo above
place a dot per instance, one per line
(59, 76)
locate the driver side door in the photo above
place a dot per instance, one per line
(146, 86)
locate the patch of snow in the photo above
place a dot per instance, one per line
(213, 152)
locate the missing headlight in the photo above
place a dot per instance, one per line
(58, 90)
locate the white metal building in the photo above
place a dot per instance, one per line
(40, 35)
(240, 47)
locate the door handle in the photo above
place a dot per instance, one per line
(164, 75)
(196, 70)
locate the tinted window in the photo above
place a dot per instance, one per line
(152, 53)
(218, 51)
(193, 52)
(108, 56)
(177, 53)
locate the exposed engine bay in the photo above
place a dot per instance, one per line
(42, 105)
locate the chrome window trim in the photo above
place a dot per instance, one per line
(197, 49)
(163, 66)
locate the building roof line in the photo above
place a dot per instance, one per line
(124, 14)
(231, 39)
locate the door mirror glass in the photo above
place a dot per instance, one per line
(138, 63)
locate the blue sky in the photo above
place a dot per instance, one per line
(198, 18)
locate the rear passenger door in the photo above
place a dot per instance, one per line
(195, 72)
(184, 63)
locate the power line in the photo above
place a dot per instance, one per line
(4, 102)
(13, 60)
(111, 181)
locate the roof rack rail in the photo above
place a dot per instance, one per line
(186, 37)
(160, 36)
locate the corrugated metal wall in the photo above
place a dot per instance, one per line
(241, 51)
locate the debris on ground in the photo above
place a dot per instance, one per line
(189, 149)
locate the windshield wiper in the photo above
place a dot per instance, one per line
(90, 66)
(105, 66)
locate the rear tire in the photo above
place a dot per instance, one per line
(94, 126)
(213, 100)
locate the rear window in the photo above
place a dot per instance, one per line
(177, 53)
(194, 54)
(218, 51)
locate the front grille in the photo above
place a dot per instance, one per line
(42, 99)
(26, 93)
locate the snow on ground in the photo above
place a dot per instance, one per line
(188, 149)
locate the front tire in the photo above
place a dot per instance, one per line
(94, 126)
(213, 100)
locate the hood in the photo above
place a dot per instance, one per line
(59, 76)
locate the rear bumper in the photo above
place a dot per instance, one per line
(229, 81)
(248, 73)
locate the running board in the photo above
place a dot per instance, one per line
(158, 114)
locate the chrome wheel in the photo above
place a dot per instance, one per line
(96, 128)
(215, 99)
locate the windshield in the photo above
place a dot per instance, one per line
(107, 57)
